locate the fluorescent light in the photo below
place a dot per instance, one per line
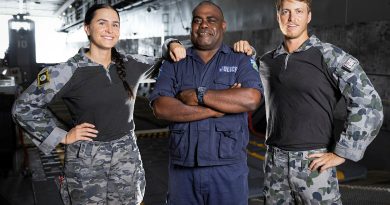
(16, 25)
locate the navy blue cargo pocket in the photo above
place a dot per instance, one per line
(230, 141)
(178, 144)
(224, 80)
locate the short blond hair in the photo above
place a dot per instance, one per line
(279, 4)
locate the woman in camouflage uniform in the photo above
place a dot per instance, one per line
(98, 85)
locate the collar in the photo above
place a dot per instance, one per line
(224, 49)
(313, 40)
(82, 59)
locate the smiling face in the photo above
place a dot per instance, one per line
(104, 28)
(207, 27)
(293, 17)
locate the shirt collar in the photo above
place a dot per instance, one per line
(305, 46)
(81, 56)
(83, 60)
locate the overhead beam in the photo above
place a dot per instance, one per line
(135, 4)
(63, 7)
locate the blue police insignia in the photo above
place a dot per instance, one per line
(254, 65)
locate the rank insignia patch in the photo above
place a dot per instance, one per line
(350, 64)
(43, 78)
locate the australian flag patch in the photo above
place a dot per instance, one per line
(350, 64)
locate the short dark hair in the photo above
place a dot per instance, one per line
(208, 3)
(279, 4)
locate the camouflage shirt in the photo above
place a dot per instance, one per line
(92, 94)
(364, 106)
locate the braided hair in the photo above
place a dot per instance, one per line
(115, 56)
(121, 70)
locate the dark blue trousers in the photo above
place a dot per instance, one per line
(211, 185)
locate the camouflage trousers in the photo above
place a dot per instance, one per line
(288, 180)
(103, 173)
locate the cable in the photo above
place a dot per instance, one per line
(181, 17)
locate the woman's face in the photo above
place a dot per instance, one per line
(104, 29)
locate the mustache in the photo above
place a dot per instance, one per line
(208, 31)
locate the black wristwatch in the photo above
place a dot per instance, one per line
(200, 92)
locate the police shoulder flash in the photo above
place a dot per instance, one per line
(43, 77)
(254, 64)
(350, 64)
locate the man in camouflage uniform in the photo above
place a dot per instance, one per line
(303, 80)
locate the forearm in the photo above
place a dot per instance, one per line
(165, 48)
(233, 100)
(39, 123)
(171, 109)
(173, 50)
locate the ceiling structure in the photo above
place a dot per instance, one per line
(70, 11)
(47, 8)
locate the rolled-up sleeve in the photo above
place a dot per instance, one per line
(248, 74)
(166, 82)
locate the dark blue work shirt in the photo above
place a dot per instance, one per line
(212, 141)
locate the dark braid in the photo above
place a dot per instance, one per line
(120, 68)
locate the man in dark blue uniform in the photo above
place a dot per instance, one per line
(207, 96)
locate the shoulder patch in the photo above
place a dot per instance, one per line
(43, 78)
(254, 65)
(350, 64)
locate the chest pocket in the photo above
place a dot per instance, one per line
(224, 80)
(187, 82)
(184, 79)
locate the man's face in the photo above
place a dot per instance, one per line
(104, 29)
(207, 27)
(293, 18)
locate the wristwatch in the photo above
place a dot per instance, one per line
(173, 41)
(200, 92)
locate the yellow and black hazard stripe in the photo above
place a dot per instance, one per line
(152, 134)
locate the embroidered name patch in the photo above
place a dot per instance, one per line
(228, 69)
(43, 78)
(350, 64)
